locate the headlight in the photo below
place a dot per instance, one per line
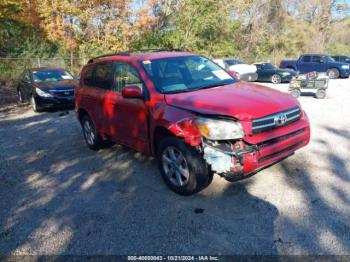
(42, 93)
(345, 66)
(218, 129)
(285, 73)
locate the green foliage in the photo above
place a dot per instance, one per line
(250, 30)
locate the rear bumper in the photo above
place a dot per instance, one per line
(55, 102)
(251, 77)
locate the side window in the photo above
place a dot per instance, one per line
(306, 59)
(88, 76)
(103, 75)
(126, 74)
(316, 59)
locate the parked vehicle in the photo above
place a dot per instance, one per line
(319, 63)
(310, 81)
(238, 69)
(46, 88)
(190, 114)
(342, 58)
(267, 72)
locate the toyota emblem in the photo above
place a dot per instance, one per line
(280, 119)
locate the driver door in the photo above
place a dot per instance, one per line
(127, 118)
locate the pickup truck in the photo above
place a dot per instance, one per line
(320, 63)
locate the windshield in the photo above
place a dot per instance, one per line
(269, 66)
(233, 62)
(51, 75)
(185, 74)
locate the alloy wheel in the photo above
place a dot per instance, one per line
(89, 132)
(34, 105)
(20, 97)
(175, 166)
(276, 79)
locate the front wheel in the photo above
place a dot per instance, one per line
(276, 79)
(34, 104)
(333, 73)
(182, 167)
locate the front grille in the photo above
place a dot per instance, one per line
(276, 120)
(62, 93)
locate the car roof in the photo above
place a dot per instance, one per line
(315, 55)
(45, 69)
(140, 56)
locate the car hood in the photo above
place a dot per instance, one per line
(241, 100)
(243, 68)
(56, 85)
(337, 64)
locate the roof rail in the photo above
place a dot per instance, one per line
(162, 50)
(127, 53)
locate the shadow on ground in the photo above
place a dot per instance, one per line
(58, 197)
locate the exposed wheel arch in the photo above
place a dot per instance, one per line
(81, 113)
(160, 132)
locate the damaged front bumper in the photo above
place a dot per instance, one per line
(235, 160)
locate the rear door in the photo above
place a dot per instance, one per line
(97, 81)
(127, 118)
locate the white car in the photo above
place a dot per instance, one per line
(240, 70)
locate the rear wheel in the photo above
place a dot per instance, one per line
(276, 79)
(295, 93)
(183, 169)
(333, 73)
(91, 136)
(20, 96)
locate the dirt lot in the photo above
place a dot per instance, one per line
(58, 197)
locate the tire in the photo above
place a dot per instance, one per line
(34, 104)
(276, 79)
(333, 73)
(185, 171)
(20, 96)
(91, 136)
(295, 93)
(320, 94)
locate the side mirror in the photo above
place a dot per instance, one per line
(132, 91)
(321, 61)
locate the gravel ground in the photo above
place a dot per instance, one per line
(58, 197)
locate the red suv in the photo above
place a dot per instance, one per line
(190, 114)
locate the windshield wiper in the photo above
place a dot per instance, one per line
(195, 89)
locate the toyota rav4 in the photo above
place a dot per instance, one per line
(190, 114)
